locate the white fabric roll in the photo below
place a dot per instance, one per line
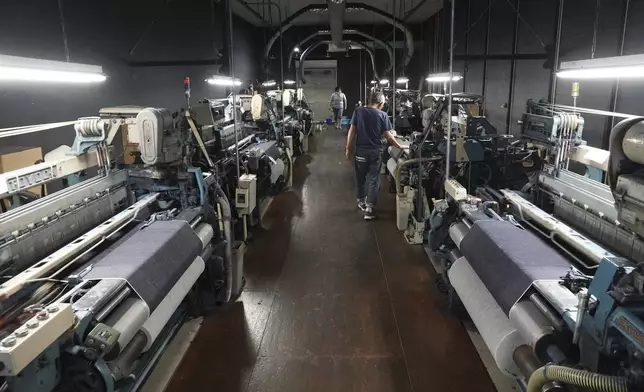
(500, 337)
(159, 318)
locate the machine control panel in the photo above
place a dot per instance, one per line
(455, 190)
(30, 340)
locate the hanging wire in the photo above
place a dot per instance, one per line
(480, 17)
(595, 28)
(62, 27)
(526, 23)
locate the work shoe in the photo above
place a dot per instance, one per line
(369, 214)
(362, 205)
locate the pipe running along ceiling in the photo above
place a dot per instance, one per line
(348, 44)
(387, 47)
(288, 23)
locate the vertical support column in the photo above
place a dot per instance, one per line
(487, 52)
(467, 46)
(513, 69)
(610, 121)
(393, 68)
(552, 90)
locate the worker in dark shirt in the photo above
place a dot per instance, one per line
(368, 127)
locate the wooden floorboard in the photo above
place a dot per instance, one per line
(333, 303)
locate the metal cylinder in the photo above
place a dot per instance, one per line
(532, 325)
(454, 255)
(121, 366)
(128, 319)
(457, 232)
(205, 232)
(526, 361)
(633, 143)
(552, 316)
(114, 302)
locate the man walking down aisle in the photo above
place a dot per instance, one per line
(338, 104)
(368, 126)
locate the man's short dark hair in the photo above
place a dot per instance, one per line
(377, 98)
(337, 89)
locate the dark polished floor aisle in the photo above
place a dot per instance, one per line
(333, 303)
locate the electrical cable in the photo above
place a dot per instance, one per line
(526, 23)
(593, 48)
(62, 26)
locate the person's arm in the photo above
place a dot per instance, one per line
(389, 135)
(344, 100)
(351, 135)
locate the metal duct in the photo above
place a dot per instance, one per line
(336, 20)
(288, 23)
(382, 43)
(347, 43)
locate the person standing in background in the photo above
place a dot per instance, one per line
(338, 104)
(369, 126)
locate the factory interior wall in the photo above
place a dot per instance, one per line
(103, 33)
(533, 76)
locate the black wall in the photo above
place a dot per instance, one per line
(103, 33)
(537, 36)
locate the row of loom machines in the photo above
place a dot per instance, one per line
(98, 276)
(537, 238)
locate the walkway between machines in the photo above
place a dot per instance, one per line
(333, 303)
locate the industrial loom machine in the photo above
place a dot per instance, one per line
(536, 238)
(98, 276)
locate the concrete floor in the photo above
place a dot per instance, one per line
(332, 303)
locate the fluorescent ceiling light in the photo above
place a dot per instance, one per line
(289, 82)
(384, 81)
(604, 68)
(36, 70)
(297, 49)
(269, 83)
(402, 80)
(444, 77)
(219, 80)
(374, 82)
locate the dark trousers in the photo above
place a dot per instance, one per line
(367, 165)
(337, 115)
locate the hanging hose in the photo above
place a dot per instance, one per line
(407, 163)
(228, 236)
(579, 378)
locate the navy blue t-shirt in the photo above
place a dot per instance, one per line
(371, 124)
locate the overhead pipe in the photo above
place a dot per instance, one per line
(336, 20)
(288, 23)
(344, 32)
(311, 48)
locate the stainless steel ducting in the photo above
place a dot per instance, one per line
(320, 33)
(336, 20)
(288, 23)
(308, 50)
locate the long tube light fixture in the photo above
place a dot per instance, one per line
(402, 80)
(219, 80)
(269, 83)
(289, 82)
(630, 67)
(374, 82)
(36, 70)
(384, 82)
(443, 77)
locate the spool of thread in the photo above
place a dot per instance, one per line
(159, 318)
(575, 89)
(500, 337)
(127, 319)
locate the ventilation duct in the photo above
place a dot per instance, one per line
(347, 44)
(295, 49)
(288, 23)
